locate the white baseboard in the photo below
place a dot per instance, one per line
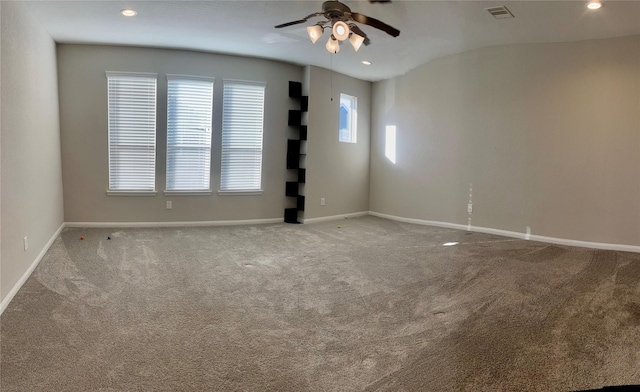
(175, 224)
(420, 221)
(513, 234)
(587, 244)
(334, 217)
(29, 271)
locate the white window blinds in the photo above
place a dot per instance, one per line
(242, 127)
(132, 131)
(189, 111)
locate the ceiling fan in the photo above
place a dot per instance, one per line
(342, 22)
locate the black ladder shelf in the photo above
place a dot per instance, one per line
(292, 188)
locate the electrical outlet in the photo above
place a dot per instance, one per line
(322, 201)
(169, 205)
(25, 242)
(469, 208)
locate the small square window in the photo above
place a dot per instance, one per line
(348, 118)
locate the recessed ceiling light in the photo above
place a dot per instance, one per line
(594, 5)
(129, 12)
(365, 62)
(450, 244)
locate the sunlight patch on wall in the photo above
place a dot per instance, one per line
(390, 143)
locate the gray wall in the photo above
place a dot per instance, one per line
(31, 178)
(549, 135)
(83, 116)
(338, 172)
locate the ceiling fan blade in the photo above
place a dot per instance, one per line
(375, 23)
(295, 22)
(361, 33)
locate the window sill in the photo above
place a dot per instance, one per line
(240, 193)
(187, 193)
(132, 193)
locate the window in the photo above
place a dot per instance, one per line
(189, 111)
(242, 127)
(132, 131)
(390, 143)
(348, 117)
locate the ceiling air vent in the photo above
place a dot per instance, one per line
(500, 12)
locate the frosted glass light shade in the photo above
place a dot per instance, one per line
(332, 45)
(356, 41)
(314, 32)
(340, 31)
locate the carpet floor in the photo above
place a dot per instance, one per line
(363, 304)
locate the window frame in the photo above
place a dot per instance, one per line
(194, 191)
(352, 119)
(224, 148)
(130, 191)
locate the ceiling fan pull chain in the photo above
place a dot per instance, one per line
(331, 82)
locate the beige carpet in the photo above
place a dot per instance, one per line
(374, 305)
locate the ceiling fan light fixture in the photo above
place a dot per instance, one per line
(314, 32)
(356, 41)
(339, 18)
(340, 30)
(333, 46)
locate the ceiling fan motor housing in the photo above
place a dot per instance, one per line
(335, 10)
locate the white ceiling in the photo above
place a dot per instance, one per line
(429, 29)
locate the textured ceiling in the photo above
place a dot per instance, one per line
(429, 29)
